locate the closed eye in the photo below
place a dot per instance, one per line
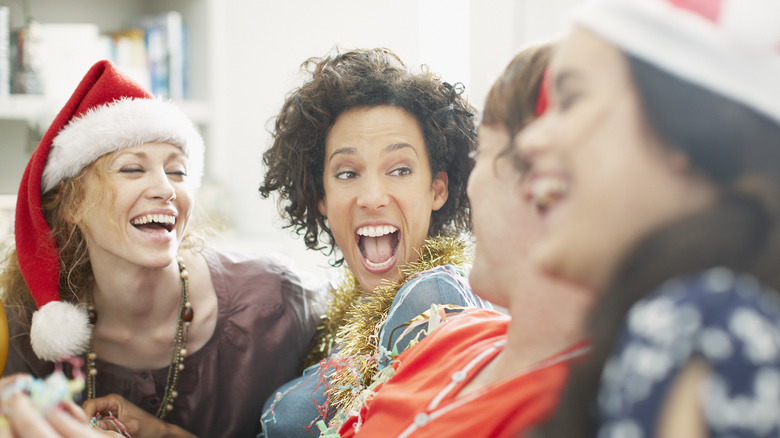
(567, 100)
(131, 170)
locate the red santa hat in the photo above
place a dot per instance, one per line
(731, 47)
(106, 113)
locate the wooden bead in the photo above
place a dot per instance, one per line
(187, 314)
(92, 315)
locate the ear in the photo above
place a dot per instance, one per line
(322, 206)
(440, 190)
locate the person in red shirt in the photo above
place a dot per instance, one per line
(486, 373)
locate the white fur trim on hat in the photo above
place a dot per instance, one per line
(736, 55)
(123, 123)
(59, 330)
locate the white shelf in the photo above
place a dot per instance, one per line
(37, 109)
(23, 107)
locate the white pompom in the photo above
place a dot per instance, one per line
(59, 330)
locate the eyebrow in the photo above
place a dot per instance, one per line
(387, 149)
(141, 154)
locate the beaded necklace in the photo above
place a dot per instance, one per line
(179, 347)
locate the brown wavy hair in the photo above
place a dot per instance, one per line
(365, 78)
(61, 206)
(511, 101)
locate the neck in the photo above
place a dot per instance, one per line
(548, 317)
(136, 296)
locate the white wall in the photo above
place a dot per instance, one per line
(259, 46)
(253, 50)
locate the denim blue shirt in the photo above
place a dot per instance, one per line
(298, 404)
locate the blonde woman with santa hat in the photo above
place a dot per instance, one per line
(656, 169)
(104, 268)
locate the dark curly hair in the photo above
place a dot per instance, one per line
(365, 78)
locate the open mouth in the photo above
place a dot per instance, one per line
(156, 223)
(546, 191)
(378, 245)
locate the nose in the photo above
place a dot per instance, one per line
(160, 186)
(533, 140)
(372, 194)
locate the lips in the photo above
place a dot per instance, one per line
(155, 222)
(378, 245)
(546, 190)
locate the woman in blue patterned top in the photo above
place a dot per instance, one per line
(656, 167)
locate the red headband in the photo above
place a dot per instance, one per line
(541, 101)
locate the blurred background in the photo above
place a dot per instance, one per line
(229, 65)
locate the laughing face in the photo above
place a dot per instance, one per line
(600, 177)
(379, 191)
(153, 202)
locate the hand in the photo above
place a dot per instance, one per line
(22, 419)
(139, 422)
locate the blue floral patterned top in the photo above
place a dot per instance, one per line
(731, 322)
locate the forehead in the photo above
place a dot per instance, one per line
(151, 149)
(376, 127)
(492, 135)
(584, 57)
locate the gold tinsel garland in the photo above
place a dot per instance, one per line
(353, 323)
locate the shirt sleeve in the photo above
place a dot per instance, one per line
(728, 320)
(307, 295)
(21, 357)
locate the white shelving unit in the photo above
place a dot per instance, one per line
(23, 118)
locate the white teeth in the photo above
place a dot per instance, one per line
(382, 265)
(164, 219)
(376, 231)
(546, 190)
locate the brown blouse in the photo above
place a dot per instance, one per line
(265, 323)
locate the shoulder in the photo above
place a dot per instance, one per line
(272, 264)
(715, 299)
(268, 282)
(258, 271)
(465, 329)
(729, 321)
(446, 284)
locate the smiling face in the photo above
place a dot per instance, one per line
(379, 192)
(600, 177)
(504, 223)
(153, 202)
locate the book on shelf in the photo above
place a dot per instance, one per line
(50, 59)
(166, 53)
(127, 49)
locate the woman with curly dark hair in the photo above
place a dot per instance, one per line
(370, 163)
